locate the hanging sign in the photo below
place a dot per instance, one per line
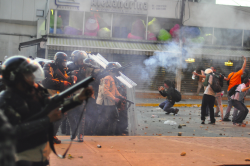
(119, 6)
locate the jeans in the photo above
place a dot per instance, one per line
(228, 107)
(74, 119)
(208, 100)
(57, 124)
(200, 85)
(219, 107)
(167, 106)
(107, 120)
(243, 111)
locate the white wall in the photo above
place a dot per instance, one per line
(218, 16)
(9, 43)
(24, 10)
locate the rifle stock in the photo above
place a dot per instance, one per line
(121, 98)
(57, 100)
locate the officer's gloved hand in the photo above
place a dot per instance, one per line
(74, 79)
(66, 83)
(84, 94)
(117, 100)
(55, 115)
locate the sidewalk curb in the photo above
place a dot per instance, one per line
(176, 105)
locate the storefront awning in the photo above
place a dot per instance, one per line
(31, 43)
(214, 53)
(66, 44)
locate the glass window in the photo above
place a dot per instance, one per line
(159, 29)
(197, 35)
(227, 37)
(247, 38)
(68, 22)
(129, 26)
(97, 24)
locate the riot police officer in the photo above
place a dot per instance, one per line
(23, 99)
(77, 68)
(57, 80)
(7, 142)
(108, 114)
(91, 115)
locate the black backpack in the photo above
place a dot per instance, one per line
(176, 95)
(216, 83)
(232, 91)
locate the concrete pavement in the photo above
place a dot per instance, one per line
(153, 151)
(154, 102)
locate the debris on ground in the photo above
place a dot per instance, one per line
(180, 126)
(187, 122)
(146, 127)
(180, 134)
(184, 125)
(69, 156)
(80, 157)
(220, 133)
(159, 134)
(247, 159)
(111, 147)
(154, 116)
(183, 154)
(145, 133)
(170, 122)
(99, 146)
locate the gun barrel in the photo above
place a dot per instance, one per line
(58, 99)
(77, 86)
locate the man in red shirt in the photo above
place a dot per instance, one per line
(234, 79)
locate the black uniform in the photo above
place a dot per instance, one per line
(7, 142)
(74, 114)
(19, 106)
(56, 79)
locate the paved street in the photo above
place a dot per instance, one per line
(153, 151)
(157, 143)
(189, 116)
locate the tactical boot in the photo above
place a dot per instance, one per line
(56, 140)
(80, 138)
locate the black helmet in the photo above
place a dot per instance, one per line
(90, 61)
(61, 60)
(42, 63)
(60, 57)
(78, 55)
(113, 65)
(15, 68)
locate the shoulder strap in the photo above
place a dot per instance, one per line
(230, 78)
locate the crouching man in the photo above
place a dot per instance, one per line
(168, 91)
(237, 102)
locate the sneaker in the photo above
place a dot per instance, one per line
(176, 111)
(72, 137)
(227, 120)
(236, 124)
(216, 115)
(80, 138)
(202, 122)
(56, 140)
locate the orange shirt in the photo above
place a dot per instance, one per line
(235, 80)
